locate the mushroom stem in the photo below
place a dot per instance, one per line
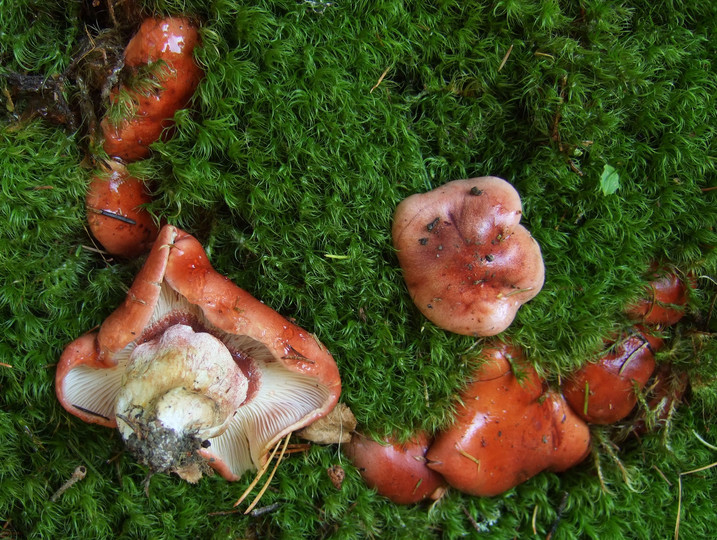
(179, 390)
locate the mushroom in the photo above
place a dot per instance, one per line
(507, 428)
(604, 392)
(396, 470)
(194, 371)
(167, 45)
(666, 300)
(468, 263)
(115, 214)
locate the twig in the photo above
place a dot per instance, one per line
(561, 509)
(471, 519)
(77, 475)
(254, 513)
(264, 510)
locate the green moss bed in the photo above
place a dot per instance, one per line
(313, 121)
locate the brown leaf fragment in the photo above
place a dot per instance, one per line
(334, 428)
(336, 475)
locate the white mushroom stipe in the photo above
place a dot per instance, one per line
(178, 390)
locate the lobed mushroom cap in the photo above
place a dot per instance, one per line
(507, 429)
(468, 263)
(293, 378)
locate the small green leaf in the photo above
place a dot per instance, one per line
(609, 180)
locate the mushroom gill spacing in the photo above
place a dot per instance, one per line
(192, 365)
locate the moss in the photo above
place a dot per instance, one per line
(288, 165)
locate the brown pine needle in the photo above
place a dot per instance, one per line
(271, 476)
(468, 456)
(297, 448)
(258, 476)
(505, 58)
(679, 494)
(380, 80)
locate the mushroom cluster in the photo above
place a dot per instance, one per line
(197, 375)
(159, 77)
(606, 391)
(195, 372)
(508, 427)
(469, 265)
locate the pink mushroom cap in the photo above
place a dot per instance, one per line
(468, 263)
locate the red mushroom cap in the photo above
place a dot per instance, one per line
(396, 470)
(665, 302)
(603, 392)
(468, 263)
(172, 41)
(115, 213)
(180, 306)
(507, 429)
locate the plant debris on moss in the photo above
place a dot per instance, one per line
(313, 121)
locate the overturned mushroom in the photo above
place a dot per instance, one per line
(507, 429)
(468, 263)
(194, 371)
